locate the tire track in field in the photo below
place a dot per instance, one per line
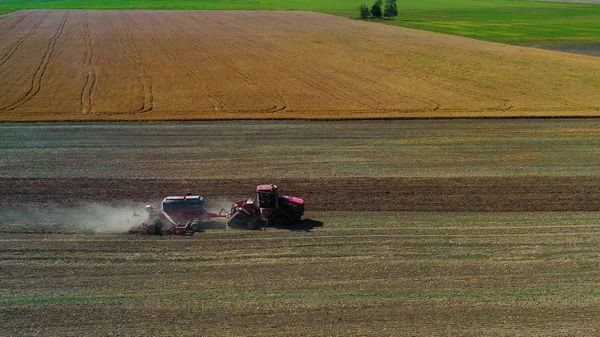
(433, 105)
(304, 76)
(90, 78)
(188, 38)
(36, 82)
(217, 103)
(147, 102)
(504, 105)
(300, 75)
(14, 24)
(356, 77)
(21, 40)
(145, 81)
(298, 58)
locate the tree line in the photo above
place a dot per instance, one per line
(390, 9)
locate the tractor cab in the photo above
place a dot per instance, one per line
(267, 197)
(267, 208)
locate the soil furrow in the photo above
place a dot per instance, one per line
(20, 41)
(90, 79)
(506, 194)
(217, 102)
(184, 65)
(277, 100)
(14, 24)
(145, 79)
(36, 82)
(355, 76)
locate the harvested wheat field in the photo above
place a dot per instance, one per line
(161, 65)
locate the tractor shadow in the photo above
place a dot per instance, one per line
(306, 225)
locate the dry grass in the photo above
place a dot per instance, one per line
(153, 65)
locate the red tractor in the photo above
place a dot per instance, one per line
(179, 215)
(266, 208)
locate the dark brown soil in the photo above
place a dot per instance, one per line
(331, 194)
(591, 49)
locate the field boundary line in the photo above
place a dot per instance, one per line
(36, 82)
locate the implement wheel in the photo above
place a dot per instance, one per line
(155, 226)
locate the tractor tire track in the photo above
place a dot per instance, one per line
(13, 25)
(356, 77)
(305, 77)
(145, 80)
(90, 78)
(300, 75)
(218, 104)
(36, 82)
(504, 105)
(432, 105)
(133, 53)
(21, 40)
(189, 38)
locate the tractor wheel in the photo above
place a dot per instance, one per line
(155, 226)
(239, 220)
(197, 226)
(282, 219)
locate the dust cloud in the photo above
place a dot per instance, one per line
(94, 217)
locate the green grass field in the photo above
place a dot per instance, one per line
(513, 22)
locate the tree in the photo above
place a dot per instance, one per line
(364, 11)
(376, 9)
(391, 8)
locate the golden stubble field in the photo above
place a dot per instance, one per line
(160, 65)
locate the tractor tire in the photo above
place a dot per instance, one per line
(239, 220)
(197, 226)
(283, 219)
(155, 226)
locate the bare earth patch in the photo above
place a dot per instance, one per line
(582, 49)
(156, 65)
(593, 2)
(482, 248)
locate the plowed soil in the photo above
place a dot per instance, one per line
(420, 228)
(356, 194)
(160, 65)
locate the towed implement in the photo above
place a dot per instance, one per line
(185, 215)
(179, 215)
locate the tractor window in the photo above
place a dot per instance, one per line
(267, 200)
(194, 204)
